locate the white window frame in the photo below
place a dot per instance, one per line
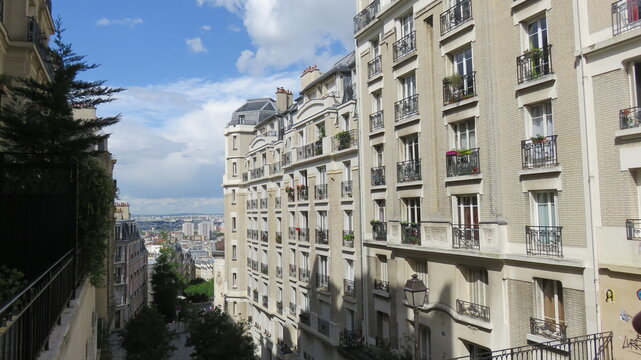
(410, 147)
(406, 25)
(464, 135)
(412, 209)
(543, 113)
(552, 198)
(559, 306)
(407, 86)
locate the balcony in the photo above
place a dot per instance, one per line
(633, 229)
(322, 236)
(378, 176)
(376, 121)
(348, 238)
(547, 328)
(257, 173)
(292, 271)
(254, 265)
(344, 140)
(348, 287)
(286, 159)
(381, 285)
(410, 233)
(366, 16)
(456, 16)
(39, 39)
(466, 236)
(472, 310)
(255, 295)
(322, 281)
(404, 46)
(279, 237)
(264, 236)
(625, 16)
(630, 118)
(459, 87)
(379, 230)
(346, 189)
(350, 338)
(263, 203)
(303, 234)
(323, 326)
(277, 202)
(320, 192)
(279, 307)
(374, 67)
(463, 162)
(291, 197)
(279, 272)
(292, 308)
(406, 107)
(303, 275)
(539, 152)
(304, 317)
(310, 150)
(293, 233)
(409, 170)
(264, 268)
(535, 63)
(265, 301)
(544, 240)
(276, 168)
(302, 192)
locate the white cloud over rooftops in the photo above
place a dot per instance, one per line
(130, 22)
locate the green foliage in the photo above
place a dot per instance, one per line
(166, 284)
(146, 337)
(11, 281)
(96, 194)
(198, 290)
(214, 335)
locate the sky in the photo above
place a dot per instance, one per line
(187, 65)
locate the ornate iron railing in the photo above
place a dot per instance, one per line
(409, 170)
(279, 237)
(366, 16)
(456, 16)
(293, 233)
(322, 236)
(473, 310)
(265, 301)
(344, 140)
(276, 167)
(320, 192)
(322, 281)
(292, 270)
(277, 202)
(254, 265)
(374, 66)
(255, 295)
(264, 268)
(381, 285)
(633, 229)
(626, 16)
(539, 152)
(310, 150)
(379, 231)
(323, 326)
(376, 121)
(279, 307)
(463, 162)
(303, 234)
(286, 158)
(404, 46)
(348, 287)
(292, 308)
(279, 272)
(548, 328)
(406, 107)
(257, 173)
(410, 233)
(465, 236)
(302, 192)
(459, 87)
(303, 275)
(350, 338)
(304, 317)
(630, 118)
(378, 176)
(544, 240)
(534, 64)
(264, 236)
(346, 189)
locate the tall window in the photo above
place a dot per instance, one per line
(412, 210)
(410, 147)
(378, 155)
(233, 196)
(545, 213)
(406, 24)
(467, 210)
(464, 134)
(408, 86)
(349, 269)
(234, 280)
(419, 267)
(542, 123)
(321, 176)
(377, 102)
(462, 62)
(233, 252)
(322, 220)
(323, 265)
(304, 257)
(234, 169)
(348, 220)
(233, 224)
(380, 209)
(234, 142)
(382, 268)
(376, 49)
(477, 282)
(550, 300)
(537, 32)
(347, 171)
(241, 119)
(424, 341)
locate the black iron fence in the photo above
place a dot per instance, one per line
(409, 170)
(539, 152)
(348, 238)
(366, 16)
(346, 189)
(404, 46)
(406, 107)
(626, 16)
(381, 285)
(309, 150)
(322, 281)
(473, 310)
(344, 140)
(463, 162)
(465, 236)
(322, 236)
(456, 16)
(544, 240)
(376, 121)
(534, 64)
(374, 66)
(379, 231)
(378, 176)
(348, 287)
(410, 233)
(320, 192)
(548, 328)
(633, 229)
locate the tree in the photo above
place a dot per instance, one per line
(166, 284)
(199, 290)
(146, 337)
(214, 335)
(39, 118)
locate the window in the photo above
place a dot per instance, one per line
(320, 130)
(234, 280)
(234, 142)
(322, 220)
(464, 135)
(545, 212)
(349, 269)
(380, 209)
(377, 102)
(375, 48)
(476, 285)
(550, 301)
(467, 210)
(378, 155)
(408, 86)
(241, 119)
(304, 257)
(349, 320)
(410, 147)
(636, 82)
(478, 352)
(537, 32)
(348, 220)
(345, 126)
(412, 210)
(406, 25)
(233, 196)
(323, 265)
(234, 169)
(462, 62)
(321, 176)
(233, 252)
(542, 123)
(382, 268)
(424, 341)
(419, 267)
(233, 224)
(235, 308)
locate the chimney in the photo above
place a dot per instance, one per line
(310, 74)
(284, 99)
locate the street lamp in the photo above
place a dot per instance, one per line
(415, 292)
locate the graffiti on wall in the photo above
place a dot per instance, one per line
(633, 344)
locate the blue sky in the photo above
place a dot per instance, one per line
(187, 65)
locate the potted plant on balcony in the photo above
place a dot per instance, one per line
(344, 138)
(454, 80)
(538, 139)
(374, 222)
(348, 237)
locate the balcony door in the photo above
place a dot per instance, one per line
(542, 123)
(406, 25)
(464, 135)
(550, 301)
(537, 32)
(410, 148)
(408, 86)
(467, 213)
(546, 211)
(322, 220)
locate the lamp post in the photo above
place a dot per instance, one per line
(415, 292)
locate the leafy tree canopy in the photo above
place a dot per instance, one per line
(146, 337)
(214, 335)
(198, 290)
(166, 285)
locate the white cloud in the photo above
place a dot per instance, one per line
(205, 27)
(169, 145)
(234, 28)
(286, 32)
(196, 45)
(130, 22)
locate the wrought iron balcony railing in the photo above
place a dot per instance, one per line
(348, 287)
(277, 202)
(279, 272)
(320, 192)
(291, 195)
(344, 140)
(366, 16)
(633, 229)
(350, 338)
(264, 236)
(548, 328)
(626, 16)
(323, 326)
(378, 176)
(255, 295)
(348, 238)
(279, 237)
(406, 107)
(304, 317)
(463, 162)
(303, 234)
(303, 275)
(263, 203)
(379, 231)
(264, 268)
(276, 168)
(534, 64)
(374, 66)
(279, 307)
(465, 236)
(544, 240)
(346, 189)
(286, 158)
(376, 121)
(381, 285)
(404, 46)
(322, 281)
(292, 308)
(257, 173)
(39, 39)
(473, 310)
(539, 152)
(459, 87)
(630, 118)
(292, 270)
(293, 233)
(322, 236)
(310, 150)
(456, 16)
(302, 192)
(409, 170)
(254, 265)
(265, 301)
(410, 233)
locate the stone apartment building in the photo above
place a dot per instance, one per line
(292, 217)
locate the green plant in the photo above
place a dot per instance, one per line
(199, 290)
(374, 222)
(146, 336)
(11, 281)
(214, 335)
(321, 131)
(538, 139)
(455, 80)
(348, 237)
